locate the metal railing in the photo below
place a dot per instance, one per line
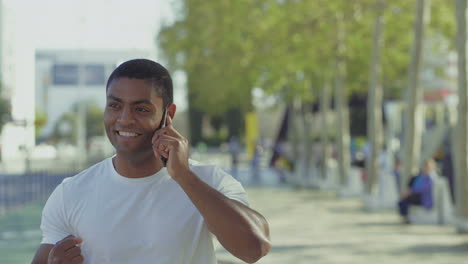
(17, 190)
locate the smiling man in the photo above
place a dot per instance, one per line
(135, 208)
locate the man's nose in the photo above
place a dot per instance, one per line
(126, 116)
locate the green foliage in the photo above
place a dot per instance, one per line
(215, 140)
(66, 128)
(94, 121)
(5, 112)
(289, 47)
(443, 19)
(210, 45)
(398, 38)
(40, 121)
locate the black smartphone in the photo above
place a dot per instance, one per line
(163, 124)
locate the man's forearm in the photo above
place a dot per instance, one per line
(241, 230)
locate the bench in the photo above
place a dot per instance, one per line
(442, 210)
(354, 186)
(386, 195)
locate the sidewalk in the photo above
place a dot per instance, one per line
(307, 226)
(310, 226)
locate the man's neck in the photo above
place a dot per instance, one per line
(132, 167)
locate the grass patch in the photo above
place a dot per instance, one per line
(20, 234)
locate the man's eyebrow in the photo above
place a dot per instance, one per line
(110, 96)
(141, 101)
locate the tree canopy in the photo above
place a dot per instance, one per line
(288, 47)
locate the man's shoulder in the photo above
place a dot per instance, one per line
(211, 174)
(87, 176)
(202, 170)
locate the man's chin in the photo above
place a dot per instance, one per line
(134, 152)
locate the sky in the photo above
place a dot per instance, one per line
(90, 24)
(106, 24)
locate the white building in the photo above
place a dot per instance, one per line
(1, 37)
(66, 77)
(16, 64)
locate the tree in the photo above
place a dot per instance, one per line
(40, 121)
(5, 109)
(414, 108)
(94, 120)
(66, 128)
(325, 101)
(374, 105)
(461, 143)
(342, 111)
(288, 48)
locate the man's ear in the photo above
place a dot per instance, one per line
(171, 110)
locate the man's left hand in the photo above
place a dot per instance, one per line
(169, 143)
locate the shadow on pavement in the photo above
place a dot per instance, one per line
(287, 248)
(460, 249)
(346, 210)
(377, 224)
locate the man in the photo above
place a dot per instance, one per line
(132, 209)
(419, 191)
(234, 149)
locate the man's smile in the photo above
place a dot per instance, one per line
(127, 134)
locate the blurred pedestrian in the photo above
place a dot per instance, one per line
(397, 173)
(281, 164)
(234, 150)
(447, 166)
(147, 204)
(419, 191)
(255, 164)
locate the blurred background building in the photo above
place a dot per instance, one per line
(65, 78)
(17, 58)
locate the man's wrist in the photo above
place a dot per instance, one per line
(184, 176)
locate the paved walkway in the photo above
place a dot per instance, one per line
(310, 226)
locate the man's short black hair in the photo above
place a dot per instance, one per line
(150, 71)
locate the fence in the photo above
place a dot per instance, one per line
(17, 190)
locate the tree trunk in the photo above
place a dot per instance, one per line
(295, 139)
(461, 162)
(307, 116)
(414, 108)
(195, 117)
(342, 119)
(374, 105)
(324, 135)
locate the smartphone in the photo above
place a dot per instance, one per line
(163, 124)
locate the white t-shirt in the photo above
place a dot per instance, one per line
(127, 220)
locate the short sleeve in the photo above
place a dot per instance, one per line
(230, 187)
(54, 224)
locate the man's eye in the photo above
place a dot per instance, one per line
(113, 105)
(141, 109)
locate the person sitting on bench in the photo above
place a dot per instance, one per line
(420, 190)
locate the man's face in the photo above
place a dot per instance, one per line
(133, 112)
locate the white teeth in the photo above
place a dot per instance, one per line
(127, 134)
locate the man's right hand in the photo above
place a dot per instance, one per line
(66, 251)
